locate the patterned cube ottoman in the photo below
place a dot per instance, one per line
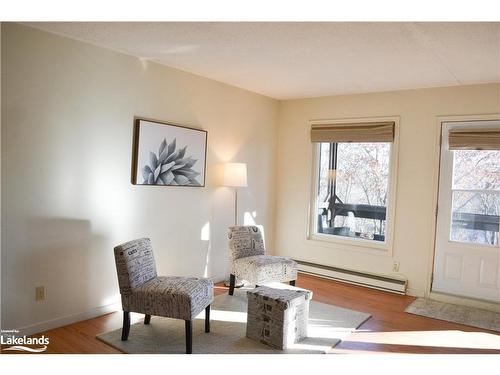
(278, 317)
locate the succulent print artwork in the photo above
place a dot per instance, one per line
(168, 154)
(170, 167)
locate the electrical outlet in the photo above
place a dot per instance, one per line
(395, 267)
(39, 293)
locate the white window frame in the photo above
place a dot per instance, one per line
(447, 162)
(350, 243)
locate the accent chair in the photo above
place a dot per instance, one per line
(250, 262)
(142, 291)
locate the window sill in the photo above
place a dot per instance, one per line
(350, 244)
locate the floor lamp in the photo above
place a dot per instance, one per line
(235, 176)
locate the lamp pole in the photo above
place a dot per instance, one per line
(235, 175)
(235, 206)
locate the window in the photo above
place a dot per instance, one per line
(475, 211)
(476, 196)
(352, 183)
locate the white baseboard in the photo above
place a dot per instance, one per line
(369, 280)
(415, 292)
(78, 317)
(69, 319)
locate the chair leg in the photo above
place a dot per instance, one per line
(232, 283)
(207, 319)
(292, 283)
(126, 325)
(147, 319)
(189, 336)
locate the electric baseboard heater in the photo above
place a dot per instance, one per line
(379, 282)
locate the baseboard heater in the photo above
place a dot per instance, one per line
(386, 283)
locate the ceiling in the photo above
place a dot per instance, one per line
(287, 60)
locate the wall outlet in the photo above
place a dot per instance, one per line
(39, 293)
(395, 267)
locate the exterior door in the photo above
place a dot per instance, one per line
(467, 254)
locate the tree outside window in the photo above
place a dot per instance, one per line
(353, 185)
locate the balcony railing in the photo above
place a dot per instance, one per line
(460, 219)
(465, 220)
(364, 211)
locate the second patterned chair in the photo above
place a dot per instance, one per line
(144, 292)
(250, 262)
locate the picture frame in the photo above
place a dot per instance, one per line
(168, 154)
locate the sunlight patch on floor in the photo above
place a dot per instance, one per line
(326, 331)
(300, 346)
(445, 339)
(225, 316)
(358, 351)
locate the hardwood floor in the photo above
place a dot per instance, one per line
(389, 330)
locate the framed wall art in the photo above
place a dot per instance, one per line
(168, 155)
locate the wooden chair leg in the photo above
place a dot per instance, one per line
(189, 336)
(232, 283)
(207, 319)
(126, 325)
(292, 283)
(147, 319)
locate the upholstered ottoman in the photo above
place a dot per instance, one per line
(278, 317)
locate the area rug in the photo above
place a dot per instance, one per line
(328, 325)
(468, 316)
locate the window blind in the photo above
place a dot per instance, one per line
(353, 132)
(476, 139)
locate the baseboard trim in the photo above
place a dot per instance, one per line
(373, 281)
(415, 292)
(68, 319)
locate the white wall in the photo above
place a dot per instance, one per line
(416, 182)
(0, 176)
(67, 121)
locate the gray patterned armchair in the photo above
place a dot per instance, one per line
(250, 262)
(142, 291)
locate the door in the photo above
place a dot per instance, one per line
(467, 254)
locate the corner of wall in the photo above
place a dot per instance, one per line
(277, 178)
(1, 24)
(415, 292)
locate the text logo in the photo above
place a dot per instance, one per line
(23, 343)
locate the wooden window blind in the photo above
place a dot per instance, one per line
(353, 132)
(474, 139)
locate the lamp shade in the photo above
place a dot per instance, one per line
(235, 174)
